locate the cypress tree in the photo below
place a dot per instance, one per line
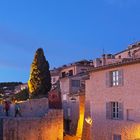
(40, 79)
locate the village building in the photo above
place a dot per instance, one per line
(71, 79)
(20, 87)
(112, 95)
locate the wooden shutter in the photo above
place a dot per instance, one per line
(69, 112)
(116, 137)
(108, 110)
(108, 79)
(120, 113)
(65, 106)
(121, 78)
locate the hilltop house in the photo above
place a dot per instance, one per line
(113, 94)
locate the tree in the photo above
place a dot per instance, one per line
(40, 79)
(21, 96)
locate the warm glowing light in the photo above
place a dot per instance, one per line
(89, 120)
(81, 117)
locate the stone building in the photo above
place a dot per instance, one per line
(112, 93)
(55, 75)
(72, 86)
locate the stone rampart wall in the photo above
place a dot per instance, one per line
(49, 127)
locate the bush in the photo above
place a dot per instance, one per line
(22, 95)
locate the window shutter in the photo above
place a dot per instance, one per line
(108, 79)
(108, 110)
(69, 112)
(117, 137)
(121, 80)
(120, 113)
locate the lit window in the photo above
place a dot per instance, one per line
(114, 78)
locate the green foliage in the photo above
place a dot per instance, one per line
(21, 96)
(9, 85)
(40, 79)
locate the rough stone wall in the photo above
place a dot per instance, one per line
(30, 108)
(34, 108)
(99, 94)
(49, 127)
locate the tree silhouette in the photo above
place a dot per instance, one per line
(40, 79)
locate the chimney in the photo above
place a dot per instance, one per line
(103, 59)
(97, 62)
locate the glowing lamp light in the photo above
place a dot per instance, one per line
(89, 120)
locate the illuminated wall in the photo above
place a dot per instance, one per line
(49, 127)
(81, 116)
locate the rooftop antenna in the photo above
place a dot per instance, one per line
(103, 51)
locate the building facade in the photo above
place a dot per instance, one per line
(112, 92)
(72, 78)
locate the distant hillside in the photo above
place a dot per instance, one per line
(9, 85)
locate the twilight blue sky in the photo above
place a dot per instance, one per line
(68, 30)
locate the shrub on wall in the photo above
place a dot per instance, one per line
(21, 96)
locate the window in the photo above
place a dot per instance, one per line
(83, 70)
(120, 57)
(129, 54)
(63, 74)
(114, 110)
(54, 80)
(116, 137)
(70, 72)
(64, 97)
(75, 83)
(114, 78)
